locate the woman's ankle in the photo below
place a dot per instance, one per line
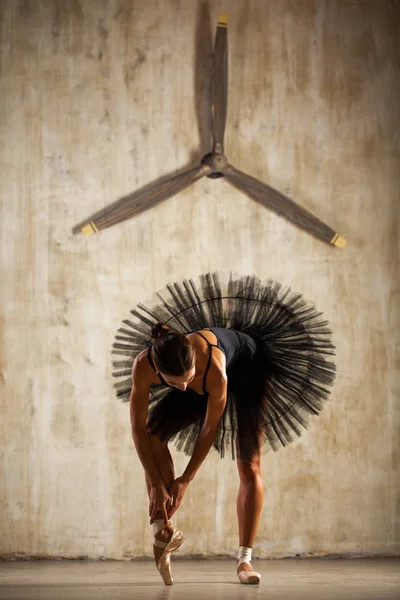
(164, 534)
(161, 531)
(244, 555)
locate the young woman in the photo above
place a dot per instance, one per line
(231, 369)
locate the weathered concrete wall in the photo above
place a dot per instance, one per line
(98, 99)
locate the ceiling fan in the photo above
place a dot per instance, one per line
(213, 165)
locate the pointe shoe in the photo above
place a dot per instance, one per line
(164, 562)
(249, 577)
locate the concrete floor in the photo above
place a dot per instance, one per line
(297, 579)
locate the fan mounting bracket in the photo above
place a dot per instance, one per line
(217, 162)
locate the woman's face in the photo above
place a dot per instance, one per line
(180, 381)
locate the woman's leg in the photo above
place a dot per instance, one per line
(165, 465)
(163, 459)
(249, 501)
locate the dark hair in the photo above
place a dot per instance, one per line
(173, 354)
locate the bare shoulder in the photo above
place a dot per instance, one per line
(217, 383)
(217, 379)
(141, 361)
(142, 370)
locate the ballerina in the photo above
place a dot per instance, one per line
(248, 366)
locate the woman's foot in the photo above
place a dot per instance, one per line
(164, 536)
(166, 541)
(247, 575)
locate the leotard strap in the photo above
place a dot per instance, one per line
(211, 346)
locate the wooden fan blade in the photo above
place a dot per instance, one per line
(282, 205)
(141, 200)
(203, 75)
(220, 83)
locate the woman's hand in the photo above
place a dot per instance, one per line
(177, 491)
(160, 502)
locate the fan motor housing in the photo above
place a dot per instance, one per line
(217, 162)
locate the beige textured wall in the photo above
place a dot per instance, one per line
(97, 99)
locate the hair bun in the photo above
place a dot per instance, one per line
(159, 330)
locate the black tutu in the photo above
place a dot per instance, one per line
(272, 392)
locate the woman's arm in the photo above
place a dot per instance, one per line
(215, 408)
(206, 437)
(159, 496)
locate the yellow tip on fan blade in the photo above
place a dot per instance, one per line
(89, 229)
(338, 241)
(223, 20)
